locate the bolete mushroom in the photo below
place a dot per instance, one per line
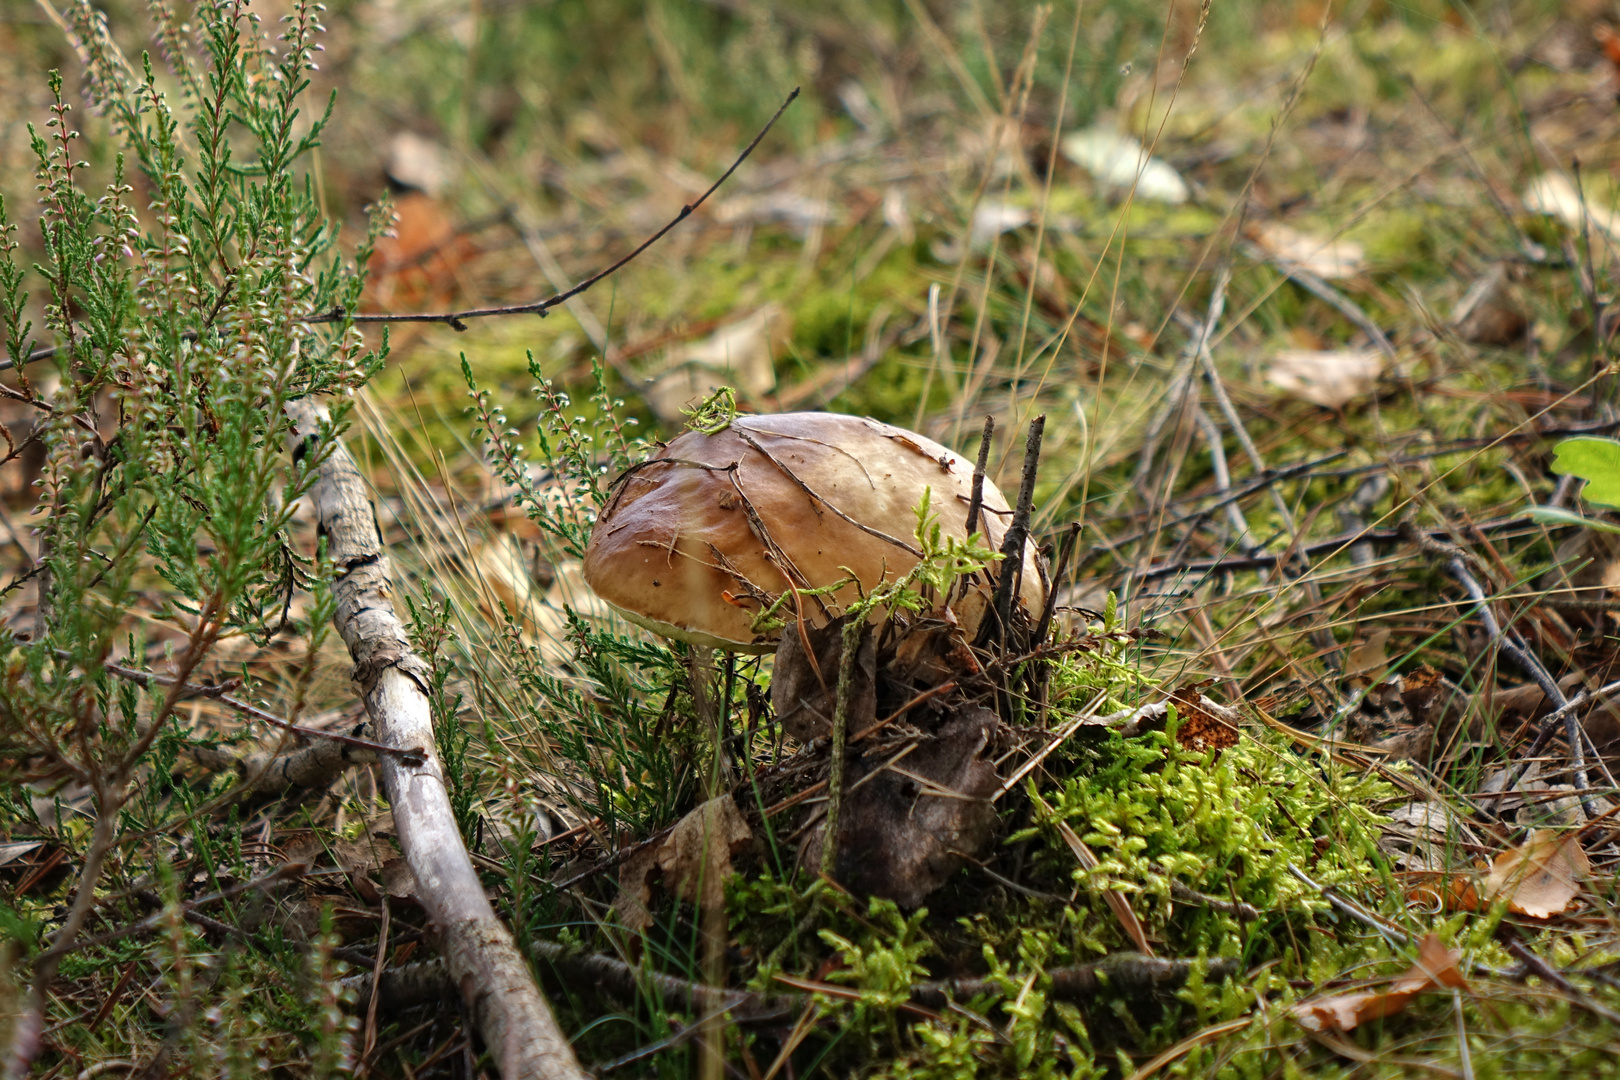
(695, 542)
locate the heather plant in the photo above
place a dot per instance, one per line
(189, 287)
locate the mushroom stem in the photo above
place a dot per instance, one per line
(851, 641)
(703, 677)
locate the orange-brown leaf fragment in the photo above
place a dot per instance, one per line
(1436, 967)
(1444, 891)
(1200, 729)
(1542, 876)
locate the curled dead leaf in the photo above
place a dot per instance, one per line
(1436, 967)
(1542, 876)
(1439, 891)
(1369, 660)
(398, 880)
(1329, 378)
(694, 861)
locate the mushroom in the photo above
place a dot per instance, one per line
(696, 542)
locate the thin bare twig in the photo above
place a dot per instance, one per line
(410, 756)
(1535, 965)
(1514, 526)
(1509, 644)
(456, 319)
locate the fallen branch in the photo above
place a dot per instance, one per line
(1127, 973)
(481, 959)
(304, 768)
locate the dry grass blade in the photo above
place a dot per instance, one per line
(1191, 1042)
(1116, 900)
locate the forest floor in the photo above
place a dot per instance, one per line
(1301, 374)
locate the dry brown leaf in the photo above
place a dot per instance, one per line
(694, 861)
(1332, 378)
(415, 266)
(1201, 728)
(1436, 967)
(1542, 876)
(914, 815)
(1609, 42)
(1331, 258)
(635, 889)
(1369, 660)
(740, 354)
(398, 880)
(360, 859)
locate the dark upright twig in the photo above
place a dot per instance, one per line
(976, 501)
(1012, 545)
(976, 504)
(1044, 626)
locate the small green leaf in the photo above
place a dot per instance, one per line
(1595, 460)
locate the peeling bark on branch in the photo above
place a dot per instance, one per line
(484, 963)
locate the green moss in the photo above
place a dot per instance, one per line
(1396, 239)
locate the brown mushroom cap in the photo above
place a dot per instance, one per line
(696, 541)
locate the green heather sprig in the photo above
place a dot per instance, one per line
(166, 339)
